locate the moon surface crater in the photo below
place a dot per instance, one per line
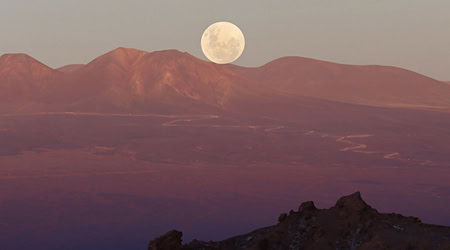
(223, 42)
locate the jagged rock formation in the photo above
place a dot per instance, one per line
(350, 224)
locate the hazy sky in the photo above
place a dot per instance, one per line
(413, 34)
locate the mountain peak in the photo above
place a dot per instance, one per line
(15, 56)
(17, 59)
(123, 57)
(131, 53)
(122, 51)
(352, 202)
(171, 55)
(22, 66)
(172, 52)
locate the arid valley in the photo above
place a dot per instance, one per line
(134, 144)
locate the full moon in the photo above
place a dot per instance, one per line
(223, 42)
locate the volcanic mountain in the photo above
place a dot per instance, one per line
(137, 81)
(368, 85)
(23, 81)
(133, 81)
(129, 80)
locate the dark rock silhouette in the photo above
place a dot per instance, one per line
(350, 224)
(170, 241)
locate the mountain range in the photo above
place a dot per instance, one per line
(133, 81)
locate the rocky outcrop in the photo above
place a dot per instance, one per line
(350, 224)
(169, 241)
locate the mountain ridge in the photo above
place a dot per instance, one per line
(367, 85)
(131, 80)
(126, 50)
